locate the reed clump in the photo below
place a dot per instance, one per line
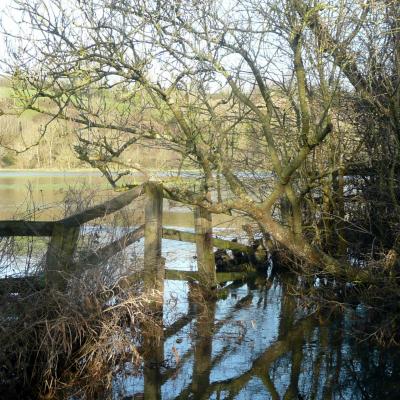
(72, 342)
(57, 344)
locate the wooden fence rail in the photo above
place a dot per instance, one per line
(64, 235)
(105, 208)
(182, 236)
(26, 228)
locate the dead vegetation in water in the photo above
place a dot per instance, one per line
(57, 344)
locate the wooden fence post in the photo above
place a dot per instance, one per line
(204, 246)
(60, 254)
(153, 263)
(153, 280)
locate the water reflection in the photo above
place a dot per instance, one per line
(255, 343)
(258, 344)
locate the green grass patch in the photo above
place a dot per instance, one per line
(6, 92)
(22, 245)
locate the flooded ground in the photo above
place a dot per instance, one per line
(254, 342)
(39, 195)
(258, 344)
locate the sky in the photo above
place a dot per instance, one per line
(8, 24)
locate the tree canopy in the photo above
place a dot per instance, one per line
(270, 100)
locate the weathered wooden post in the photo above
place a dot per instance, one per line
(153, 263)
(204, 246)
(154, 284)
(60, 254)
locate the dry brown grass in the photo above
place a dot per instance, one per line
(57, 344)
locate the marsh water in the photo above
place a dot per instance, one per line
(258, 344)
(256, 341)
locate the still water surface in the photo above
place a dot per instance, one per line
(255, 343)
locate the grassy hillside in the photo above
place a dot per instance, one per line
(20, 149)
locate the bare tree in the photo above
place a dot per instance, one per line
(363, 41)
(246, 92)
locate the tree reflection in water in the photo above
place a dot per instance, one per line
(257, 343)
